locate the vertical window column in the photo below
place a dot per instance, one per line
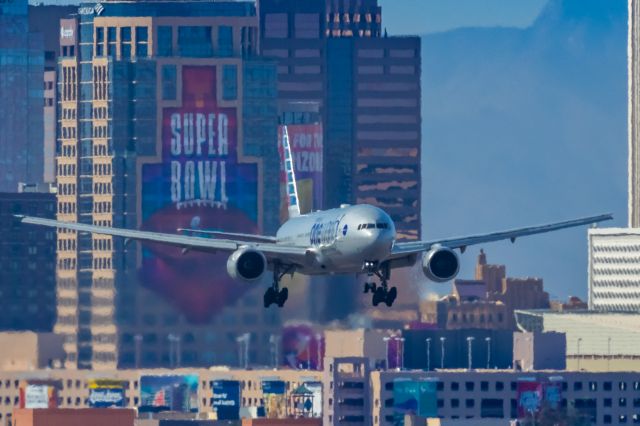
(142, 42)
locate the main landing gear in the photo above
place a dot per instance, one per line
(274, 295)
(381, 293)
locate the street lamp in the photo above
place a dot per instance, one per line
(138, 339)
(609, 354)
(442, 339)
(319, 347)
(307, 339)
(469, 341)
(578, 351)
(488, 340)
(274, 340)
(401, 352)
(428, 340)
(386, 351)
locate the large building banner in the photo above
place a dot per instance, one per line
(306, 149)
(199, 183)
(416, 398)
(529, 395)
(226, 399)
(169, 393)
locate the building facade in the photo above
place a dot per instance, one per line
(167, 120)
(634, 112)
(596, 341)
(487, 302)
(614, 269)
(27, 263)
(21, 98)
(368, 89)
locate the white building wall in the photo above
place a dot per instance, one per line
(614, 269)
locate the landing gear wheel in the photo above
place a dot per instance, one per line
(269, 297)
(379, 296)
(391, 296)
(282, 297)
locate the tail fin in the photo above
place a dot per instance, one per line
(292, 187)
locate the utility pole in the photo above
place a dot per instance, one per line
(428, 340)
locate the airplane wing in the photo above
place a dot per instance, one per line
(283, 253)
(233, 235)
(409, 248)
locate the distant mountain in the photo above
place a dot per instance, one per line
(526, 127)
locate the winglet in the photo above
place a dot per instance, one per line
(292, 187)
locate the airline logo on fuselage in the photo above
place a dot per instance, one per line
(326, 232)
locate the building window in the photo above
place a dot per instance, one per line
(484, 386)
(607, 386)
(99, 41)
(455, 403)
(470, 403)
(111, 41)
(469, 386)
(165, 41)
(225, 40)
(195, 42)
(229, 82)
(607, 402)
(606, 419)
(593, 386)
(142, 40)
(499, 386)
(455, 386)
(622, 402)
(169, 82)
(577, 386)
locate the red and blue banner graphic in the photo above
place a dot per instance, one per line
(529, 396)
(169, 393)
(306, 149)
(199, 183)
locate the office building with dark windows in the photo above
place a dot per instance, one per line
(167, 119)
(368, 87)
(27, 263)
(21, 98)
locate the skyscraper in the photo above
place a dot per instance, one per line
(367, 87)
(335, 53)
(168, 119)
(634, 113)
(21, 98)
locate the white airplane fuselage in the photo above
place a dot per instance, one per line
(341, 240)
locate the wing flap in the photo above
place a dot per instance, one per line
(232, 235)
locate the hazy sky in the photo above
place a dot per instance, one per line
(427, 16)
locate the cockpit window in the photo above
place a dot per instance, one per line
(373, 226)
(382, 225)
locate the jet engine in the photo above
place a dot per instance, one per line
(440, 264)
(247, 265)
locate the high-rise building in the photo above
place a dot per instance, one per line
(21, 98)
(368, 87)
(336, 55)
(167, 119)
(614, 253)
(27, 263)
(634, 113)
(45, 20)
(614, 271)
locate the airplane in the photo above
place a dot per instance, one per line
(353, 239)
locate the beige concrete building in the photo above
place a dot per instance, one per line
(634, 113)
(74, 385)
(27, 351)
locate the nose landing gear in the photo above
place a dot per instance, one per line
(381, 293)
(274, 294)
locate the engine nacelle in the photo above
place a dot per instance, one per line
(440, 264)
(247, 265)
